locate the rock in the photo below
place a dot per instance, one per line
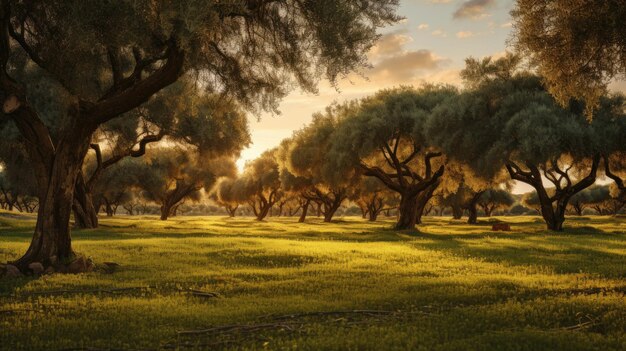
(79, 265)
(11, 271)
(53, 260)
(109, 267)
(49, 270)
(36, 267)
(505, 227)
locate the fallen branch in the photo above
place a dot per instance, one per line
(578, 326)
(201, 293)
(333, 313)
(60, 292)
(237, 328)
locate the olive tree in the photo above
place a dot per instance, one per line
(382, 136)
(260, 185)
(169, 176)
(509, 120)
(180, 113)
(110, 57)
(116, 187)
(306, 164)
(495, 199)
(578, 45)
(372, 197)
(225, 195)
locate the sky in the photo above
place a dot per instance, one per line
(430, 45)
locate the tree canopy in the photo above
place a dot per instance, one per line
(578, 45)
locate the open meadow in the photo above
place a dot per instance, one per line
(218, 283)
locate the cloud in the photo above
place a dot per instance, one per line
(404, 67)
(473, 9)
(390, 44)
(439, 33)
(423, 26)
(464, 34)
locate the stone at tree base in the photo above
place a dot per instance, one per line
(49, 270)
(36, 267)
(505, 227)
(79, 265)
(10, 271)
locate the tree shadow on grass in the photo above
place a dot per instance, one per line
(574, 251)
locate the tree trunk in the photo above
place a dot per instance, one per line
(329, 213)
(85, 215)
(373, 216)
(305, 209)
(232, 210)
(364, 212)
(408, 212)
(331, 208)
(108, 208)
(554, 217)
(166, 210)
(472, 208)
(457, 212)
(472, 213)
(422, 200)
(487, 209)
(51, 242)
(263, 212)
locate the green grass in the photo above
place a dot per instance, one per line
(450, 286)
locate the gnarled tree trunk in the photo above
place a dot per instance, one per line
(330, 210)
(472, 208)
(85, 215)
(457, 212)
(56, 169)
(305, 209)
(407, 211)
(553, 207)
(423, 199)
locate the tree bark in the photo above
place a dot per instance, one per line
(263, 212)
(472, 215)
(56, 178)
(423, 198)
(407, 211)
(457, 212)
(85, 215)
(305, 209)
(166, 211)
(330, 210)
(232, 210)
(373, 216)
(472, 208)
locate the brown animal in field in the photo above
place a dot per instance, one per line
(505, 227)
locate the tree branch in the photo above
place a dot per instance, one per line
(139, 92)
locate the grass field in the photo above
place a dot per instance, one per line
(349, 285)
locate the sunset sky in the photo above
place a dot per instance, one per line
(430, 45)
